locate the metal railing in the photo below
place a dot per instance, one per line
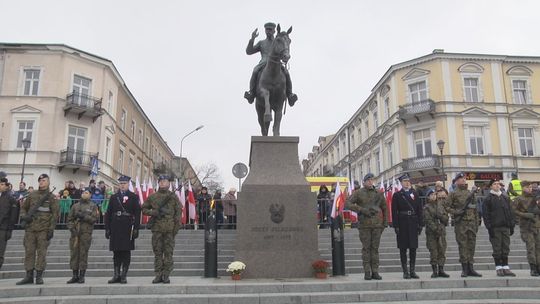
(416, 108)
(424, 162)
(84, 101)
(71, 156)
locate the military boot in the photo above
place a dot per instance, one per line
(28, 279)
(116, 275)
(464, 270)
(435, 273)
(473, 272)
(157, 279)
(74, 278)
(406, 274)
(166, 279)
(443, 274)
(81, 276)
(123, 274)
(367, 275)
(376, 276)
(412, 273)
(534, 270)
(39, 277)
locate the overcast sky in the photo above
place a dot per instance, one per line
(185, 61)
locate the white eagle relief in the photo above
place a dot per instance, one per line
(277, 212)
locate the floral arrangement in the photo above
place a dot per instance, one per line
(236, 267)
(320, 266)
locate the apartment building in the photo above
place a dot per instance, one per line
(440, 114)
(73, 107)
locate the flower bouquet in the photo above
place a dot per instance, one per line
(320, 267)
(236, 268)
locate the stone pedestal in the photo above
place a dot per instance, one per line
(277, 224)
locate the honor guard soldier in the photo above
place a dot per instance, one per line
(461, 205)
(499, 220)
(9, 215)
(39, 214)
(164, 208)
(407, 220)
(372, 219)
(528, 212)
(122, 228)
(80, 222)
(436, 220)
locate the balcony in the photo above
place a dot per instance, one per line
(432, 162)
(83, 105)
(76, 159)
(328, 170)
(417, 110)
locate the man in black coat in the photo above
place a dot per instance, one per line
(9, 214)
(122, 228)
(408, 220)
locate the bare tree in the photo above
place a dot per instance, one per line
(209, 176)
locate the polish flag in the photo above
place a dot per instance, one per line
(144, 218)
(130, 188)
(389, 194)
(353, 215)
(150, 188)
(143, 189)
(399, 186)
(182, 198)
(381, 186)
(339, 202)
(192, 204)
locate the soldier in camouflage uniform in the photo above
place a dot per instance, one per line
(164, 208)
(80, 222)
(461, 204)
(436, 220)
(9, 214)
(528, 211)
(372, 219)
(40, 223)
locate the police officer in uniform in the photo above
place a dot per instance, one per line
(373, 218)
(528, 212)
(436, 220)
(461, 204)
(164, 208)
(80, 222)
(39, 212)
(122, 228)
(9, 214)
(407, 220)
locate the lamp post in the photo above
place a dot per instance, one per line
(26, 144)
(440, 144)
(181, 145)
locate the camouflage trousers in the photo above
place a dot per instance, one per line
(466, 240)
(371, 239)
(500, 242)
(436, 244)
(531, 237)
(79, 247)
(163, 246)
(35, 250)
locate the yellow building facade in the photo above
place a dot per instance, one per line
(485, 108)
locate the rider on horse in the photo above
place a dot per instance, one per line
(264, 47)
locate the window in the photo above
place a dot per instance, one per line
(386, 108)
(139, 166)
(107, 149)
(367, 128)
(476, 139)
(147, 145)
(376, 120)
(390, 154)
(470, 86)
(422, 143)
(352, 142)
(418, 91)
(133, 130)
(361, 169)
(123, 119)
(359, 133)
(130, 165)
(139, 140)
(76, 143)
(520, 91)
(121, 161)
(145, 173)
(344, 150)
(377, 163)
(110, 104)
(26, 128)
(31, 82)
(81, 90)
(368, 165)
(525, 136)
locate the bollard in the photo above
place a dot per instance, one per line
(338, 246)
(210, 246)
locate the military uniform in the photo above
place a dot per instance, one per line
(122, 228)
(164, 208)
(436, 220)
(9, 214)
(528, 212)
(39, 231)
(465, 227)
(372, 219)
(80, 222)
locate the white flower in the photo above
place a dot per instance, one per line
(236, 267)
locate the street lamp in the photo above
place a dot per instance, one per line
(26, 144)
(181, 144)
(440, 144)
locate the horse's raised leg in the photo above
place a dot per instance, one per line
(267, 110)
(277, 122)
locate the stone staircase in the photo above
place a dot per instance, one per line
(188, 286)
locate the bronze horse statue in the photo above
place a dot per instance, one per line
(270, 94)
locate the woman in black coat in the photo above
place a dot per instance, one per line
(407, 216)
(324, 204)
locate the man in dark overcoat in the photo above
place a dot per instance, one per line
(407, 216)
(122, 228)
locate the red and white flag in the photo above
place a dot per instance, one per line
(143, 189)
(354, 216)
(381, 186)
(130, 187)
(339, 202)
(139, 190)
(192, 204)
(182, 199)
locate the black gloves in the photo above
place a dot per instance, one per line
(107, 234)
(50, 235)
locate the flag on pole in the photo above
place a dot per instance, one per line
(339, 202)
(381, 186)
(131, 186)
(192, 204)
(143, 189)
(144, 218)
(95, 167)
(183, 202)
